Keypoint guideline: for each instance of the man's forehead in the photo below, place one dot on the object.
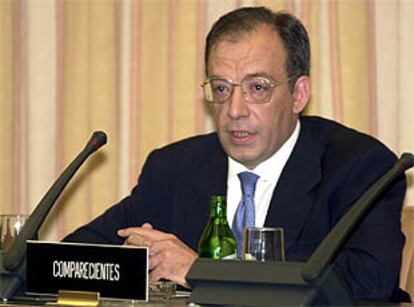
(264, 36)
(251, 52)
(237, 35)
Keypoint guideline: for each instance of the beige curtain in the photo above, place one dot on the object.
(133, 68)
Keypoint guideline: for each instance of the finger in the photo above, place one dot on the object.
(154, 261)
(156, 275)
(148, 233)
(161, 246)
(147, 225)
(168, 245)
(125, 232)
(137, 240)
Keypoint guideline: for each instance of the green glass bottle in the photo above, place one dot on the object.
(217, 240)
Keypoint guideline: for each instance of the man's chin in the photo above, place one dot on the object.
(246, 160)
(240, 153)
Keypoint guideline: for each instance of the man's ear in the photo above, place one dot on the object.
(301, 94)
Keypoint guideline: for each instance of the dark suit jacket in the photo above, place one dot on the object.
(330, 167)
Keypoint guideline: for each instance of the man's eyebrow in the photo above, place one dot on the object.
(260, 74)
(217, 77)
(251, 75)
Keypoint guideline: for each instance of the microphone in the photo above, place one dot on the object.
(336, 238)
(14, 256)
(314, 282)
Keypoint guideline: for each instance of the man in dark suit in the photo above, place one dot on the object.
(310, 170)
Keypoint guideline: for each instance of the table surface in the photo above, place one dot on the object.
(177, 301)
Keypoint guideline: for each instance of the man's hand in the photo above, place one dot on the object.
(169, 257)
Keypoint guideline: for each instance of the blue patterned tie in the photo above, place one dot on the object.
(245, 214)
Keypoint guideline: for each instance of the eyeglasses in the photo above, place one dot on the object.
(256, 89)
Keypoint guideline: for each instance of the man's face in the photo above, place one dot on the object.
(251, 133)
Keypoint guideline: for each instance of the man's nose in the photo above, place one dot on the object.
(237, 105)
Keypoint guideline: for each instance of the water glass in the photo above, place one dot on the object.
(264, 244)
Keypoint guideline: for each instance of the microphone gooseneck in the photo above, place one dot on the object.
(329, 247)
(15, 255)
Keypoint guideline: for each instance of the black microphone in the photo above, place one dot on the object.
(15, 254)
(315, 282)
(330, 246)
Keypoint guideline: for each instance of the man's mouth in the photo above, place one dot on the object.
(240, 134)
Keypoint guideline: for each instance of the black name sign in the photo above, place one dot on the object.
(112, 270)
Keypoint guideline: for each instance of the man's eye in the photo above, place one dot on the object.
(259, 87)
(220, 88)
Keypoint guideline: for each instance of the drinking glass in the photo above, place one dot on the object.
(264, 244)
(10, 227)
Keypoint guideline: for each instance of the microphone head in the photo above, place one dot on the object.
(407, 160)
(97, 140)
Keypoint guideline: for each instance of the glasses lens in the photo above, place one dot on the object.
(217, 90)
(259, 90)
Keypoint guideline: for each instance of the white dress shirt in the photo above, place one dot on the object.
(269, 172)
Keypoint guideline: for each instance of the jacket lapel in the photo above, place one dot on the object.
(291, 202)
(210, 179)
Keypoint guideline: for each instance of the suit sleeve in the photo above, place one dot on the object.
(133, 210)
(370, 263)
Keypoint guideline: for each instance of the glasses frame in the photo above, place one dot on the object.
(245, 94)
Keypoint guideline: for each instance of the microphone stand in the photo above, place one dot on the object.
(12, 261)
(255, 283)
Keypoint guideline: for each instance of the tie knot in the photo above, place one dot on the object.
(248, 182)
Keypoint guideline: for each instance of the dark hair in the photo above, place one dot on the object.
(290, 29)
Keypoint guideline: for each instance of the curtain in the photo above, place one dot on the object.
(133, 69)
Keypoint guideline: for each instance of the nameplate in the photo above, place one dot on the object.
(114, 271)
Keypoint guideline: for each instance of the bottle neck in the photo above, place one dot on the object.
(218, 207)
